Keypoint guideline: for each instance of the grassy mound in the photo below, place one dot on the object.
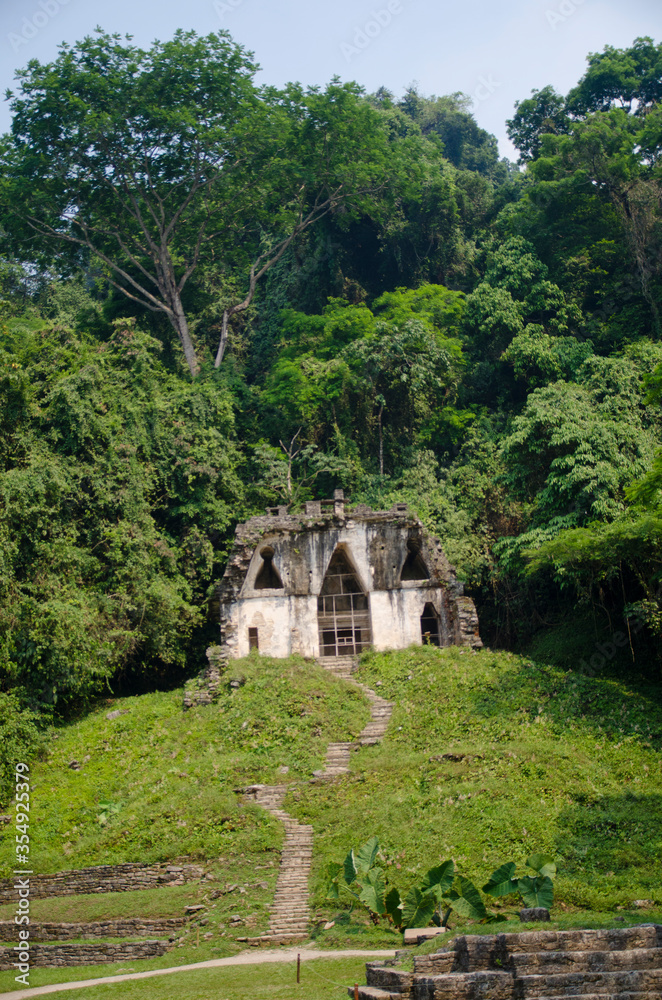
(490, 757)
(157, 783)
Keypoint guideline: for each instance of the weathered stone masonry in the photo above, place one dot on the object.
(103, 878)
(333, 581)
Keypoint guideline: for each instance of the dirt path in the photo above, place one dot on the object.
(245, 958)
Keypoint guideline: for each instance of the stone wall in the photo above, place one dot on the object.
(103, 878)
(55, 955)
(377, 545)
(131, 927)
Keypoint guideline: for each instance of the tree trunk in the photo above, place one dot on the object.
(381, 440)
(223, 341)
(178, 320)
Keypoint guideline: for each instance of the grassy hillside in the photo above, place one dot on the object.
(537, 759)
(170, 775)
(488, 757)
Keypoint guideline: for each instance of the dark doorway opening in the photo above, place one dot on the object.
(342, 610)
(253, 642)
(430, 626)
(268, 578)
(414, 567)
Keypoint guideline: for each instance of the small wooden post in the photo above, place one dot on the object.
(298, 968)
(356, 991)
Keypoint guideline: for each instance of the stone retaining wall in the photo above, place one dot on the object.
(131, 927)
(64, 955)
(102, 878)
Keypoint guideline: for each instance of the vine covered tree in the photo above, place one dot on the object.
(156, 162)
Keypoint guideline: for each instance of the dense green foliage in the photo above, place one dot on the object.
(117, 477)
(434, 325)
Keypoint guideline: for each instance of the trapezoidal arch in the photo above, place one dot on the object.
(343, 613)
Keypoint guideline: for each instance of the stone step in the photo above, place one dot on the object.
(466, 986)
(473, 952)
(544, 962)
(372, 993)
(571, 984)
(385, 978)
(608, 996)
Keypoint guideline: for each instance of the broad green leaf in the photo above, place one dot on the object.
(349, 868)
(439, 880)
(418, 909)
(543, 864)
(372, 893)
(537, 891)
(466, 899)
(364, 859)
(393, 906)
(333, 870)
(501, 882)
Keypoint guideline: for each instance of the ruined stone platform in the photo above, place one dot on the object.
(540, 965)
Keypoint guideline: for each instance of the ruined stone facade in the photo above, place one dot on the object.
(335, 580)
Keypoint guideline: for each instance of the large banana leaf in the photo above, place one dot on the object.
(373, 891)
(466, 900)
(537, 891)
(543, 864)
(349, 868)
(501, 882)
(393, 906)
(418, 908)
(364, 858)
(333, 870)
(438, 880)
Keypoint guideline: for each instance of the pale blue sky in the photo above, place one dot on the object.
(495, 51)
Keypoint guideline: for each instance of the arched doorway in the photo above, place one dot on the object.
(343, 616)
(430, 626)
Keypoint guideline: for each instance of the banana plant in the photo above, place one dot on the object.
(366, 882)
(423, 904)
(536, 891)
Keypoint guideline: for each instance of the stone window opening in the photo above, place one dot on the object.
(414, 567)
(342, 610)
(268, 577)
(253, 639)
(430, 633)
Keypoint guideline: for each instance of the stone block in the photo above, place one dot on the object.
(534, 913)
(416, 935)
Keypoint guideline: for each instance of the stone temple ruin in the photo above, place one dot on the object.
(336, 580)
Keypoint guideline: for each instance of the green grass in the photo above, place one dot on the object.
(164, 901)
(488, 757)
(321, 979)
(548, 760)
(173, 774)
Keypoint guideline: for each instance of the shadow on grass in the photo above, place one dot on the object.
(612, 833)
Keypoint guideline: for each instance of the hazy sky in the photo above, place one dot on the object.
(495, 51)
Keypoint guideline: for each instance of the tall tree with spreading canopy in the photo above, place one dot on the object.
(156, 162)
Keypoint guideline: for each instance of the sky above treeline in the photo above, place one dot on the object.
(496, 52)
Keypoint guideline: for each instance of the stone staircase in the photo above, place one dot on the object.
(541, 965)
(290, 913)
(341, 666)
(338, 754)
